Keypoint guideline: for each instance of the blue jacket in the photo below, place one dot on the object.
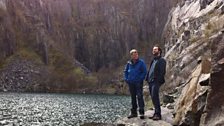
(134, 73)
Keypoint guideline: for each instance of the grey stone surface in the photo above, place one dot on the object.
(203, 21)
(167, 119)
(213, 113)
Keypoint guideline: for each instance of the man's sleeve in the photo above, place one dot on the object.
(162, 71)
(126, 72)
(143, 71)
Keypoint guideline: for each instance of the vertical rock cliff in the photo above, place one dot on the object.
(215, 101)
(71, 38)
(193, 41)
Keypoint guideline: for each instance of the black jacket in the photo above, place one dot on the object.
(159, 70)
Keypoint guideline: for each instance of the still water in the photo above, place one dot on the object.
(60, 109)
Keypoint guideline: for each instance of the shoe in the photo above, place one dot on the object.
(142, 117)
(156, 118)
(132, 116)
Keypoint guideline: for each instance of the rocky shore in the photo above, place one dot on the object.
(23, 75)
(167, 119)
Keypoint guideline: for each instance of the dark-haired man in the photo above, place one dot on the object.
(155, 78)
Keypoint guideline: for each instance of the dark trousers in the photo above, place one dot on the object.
(154, 92)
(137, 90)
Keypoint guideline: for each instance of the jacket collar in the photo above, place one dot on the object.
(131, 61)
(157, 57)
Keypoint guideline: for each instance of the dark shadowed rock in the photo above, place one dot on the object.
(215, 100)
(222, 10)
(168, 98)
(186, 36)
(204, 79)
(204, 3)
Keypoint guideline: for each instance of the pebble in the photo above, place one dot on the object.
(4, 122)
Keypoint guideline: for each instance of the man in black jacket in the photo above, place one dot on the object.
(155, 78)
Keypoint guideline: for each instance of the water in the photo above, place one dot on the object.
(61, 109)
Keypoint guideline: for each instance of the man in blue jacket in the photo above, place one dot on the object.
(155, 78)
(134, 75)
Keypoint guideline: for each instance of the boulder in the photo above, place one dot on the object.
(190, 104)
(213, 113)
(168, 98)
(185, 101)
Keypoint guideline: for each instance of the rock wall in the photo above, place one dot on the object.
(215, 101)
(193, 36)
(97, 33)
(69, 35)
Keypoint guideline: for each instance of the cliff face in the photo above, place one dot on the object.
(97, 33)
(193, 41)
(70, 38)
(215, 100)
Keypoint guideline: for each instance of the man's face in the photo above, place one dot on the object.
(155, 51)
(134, 55)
